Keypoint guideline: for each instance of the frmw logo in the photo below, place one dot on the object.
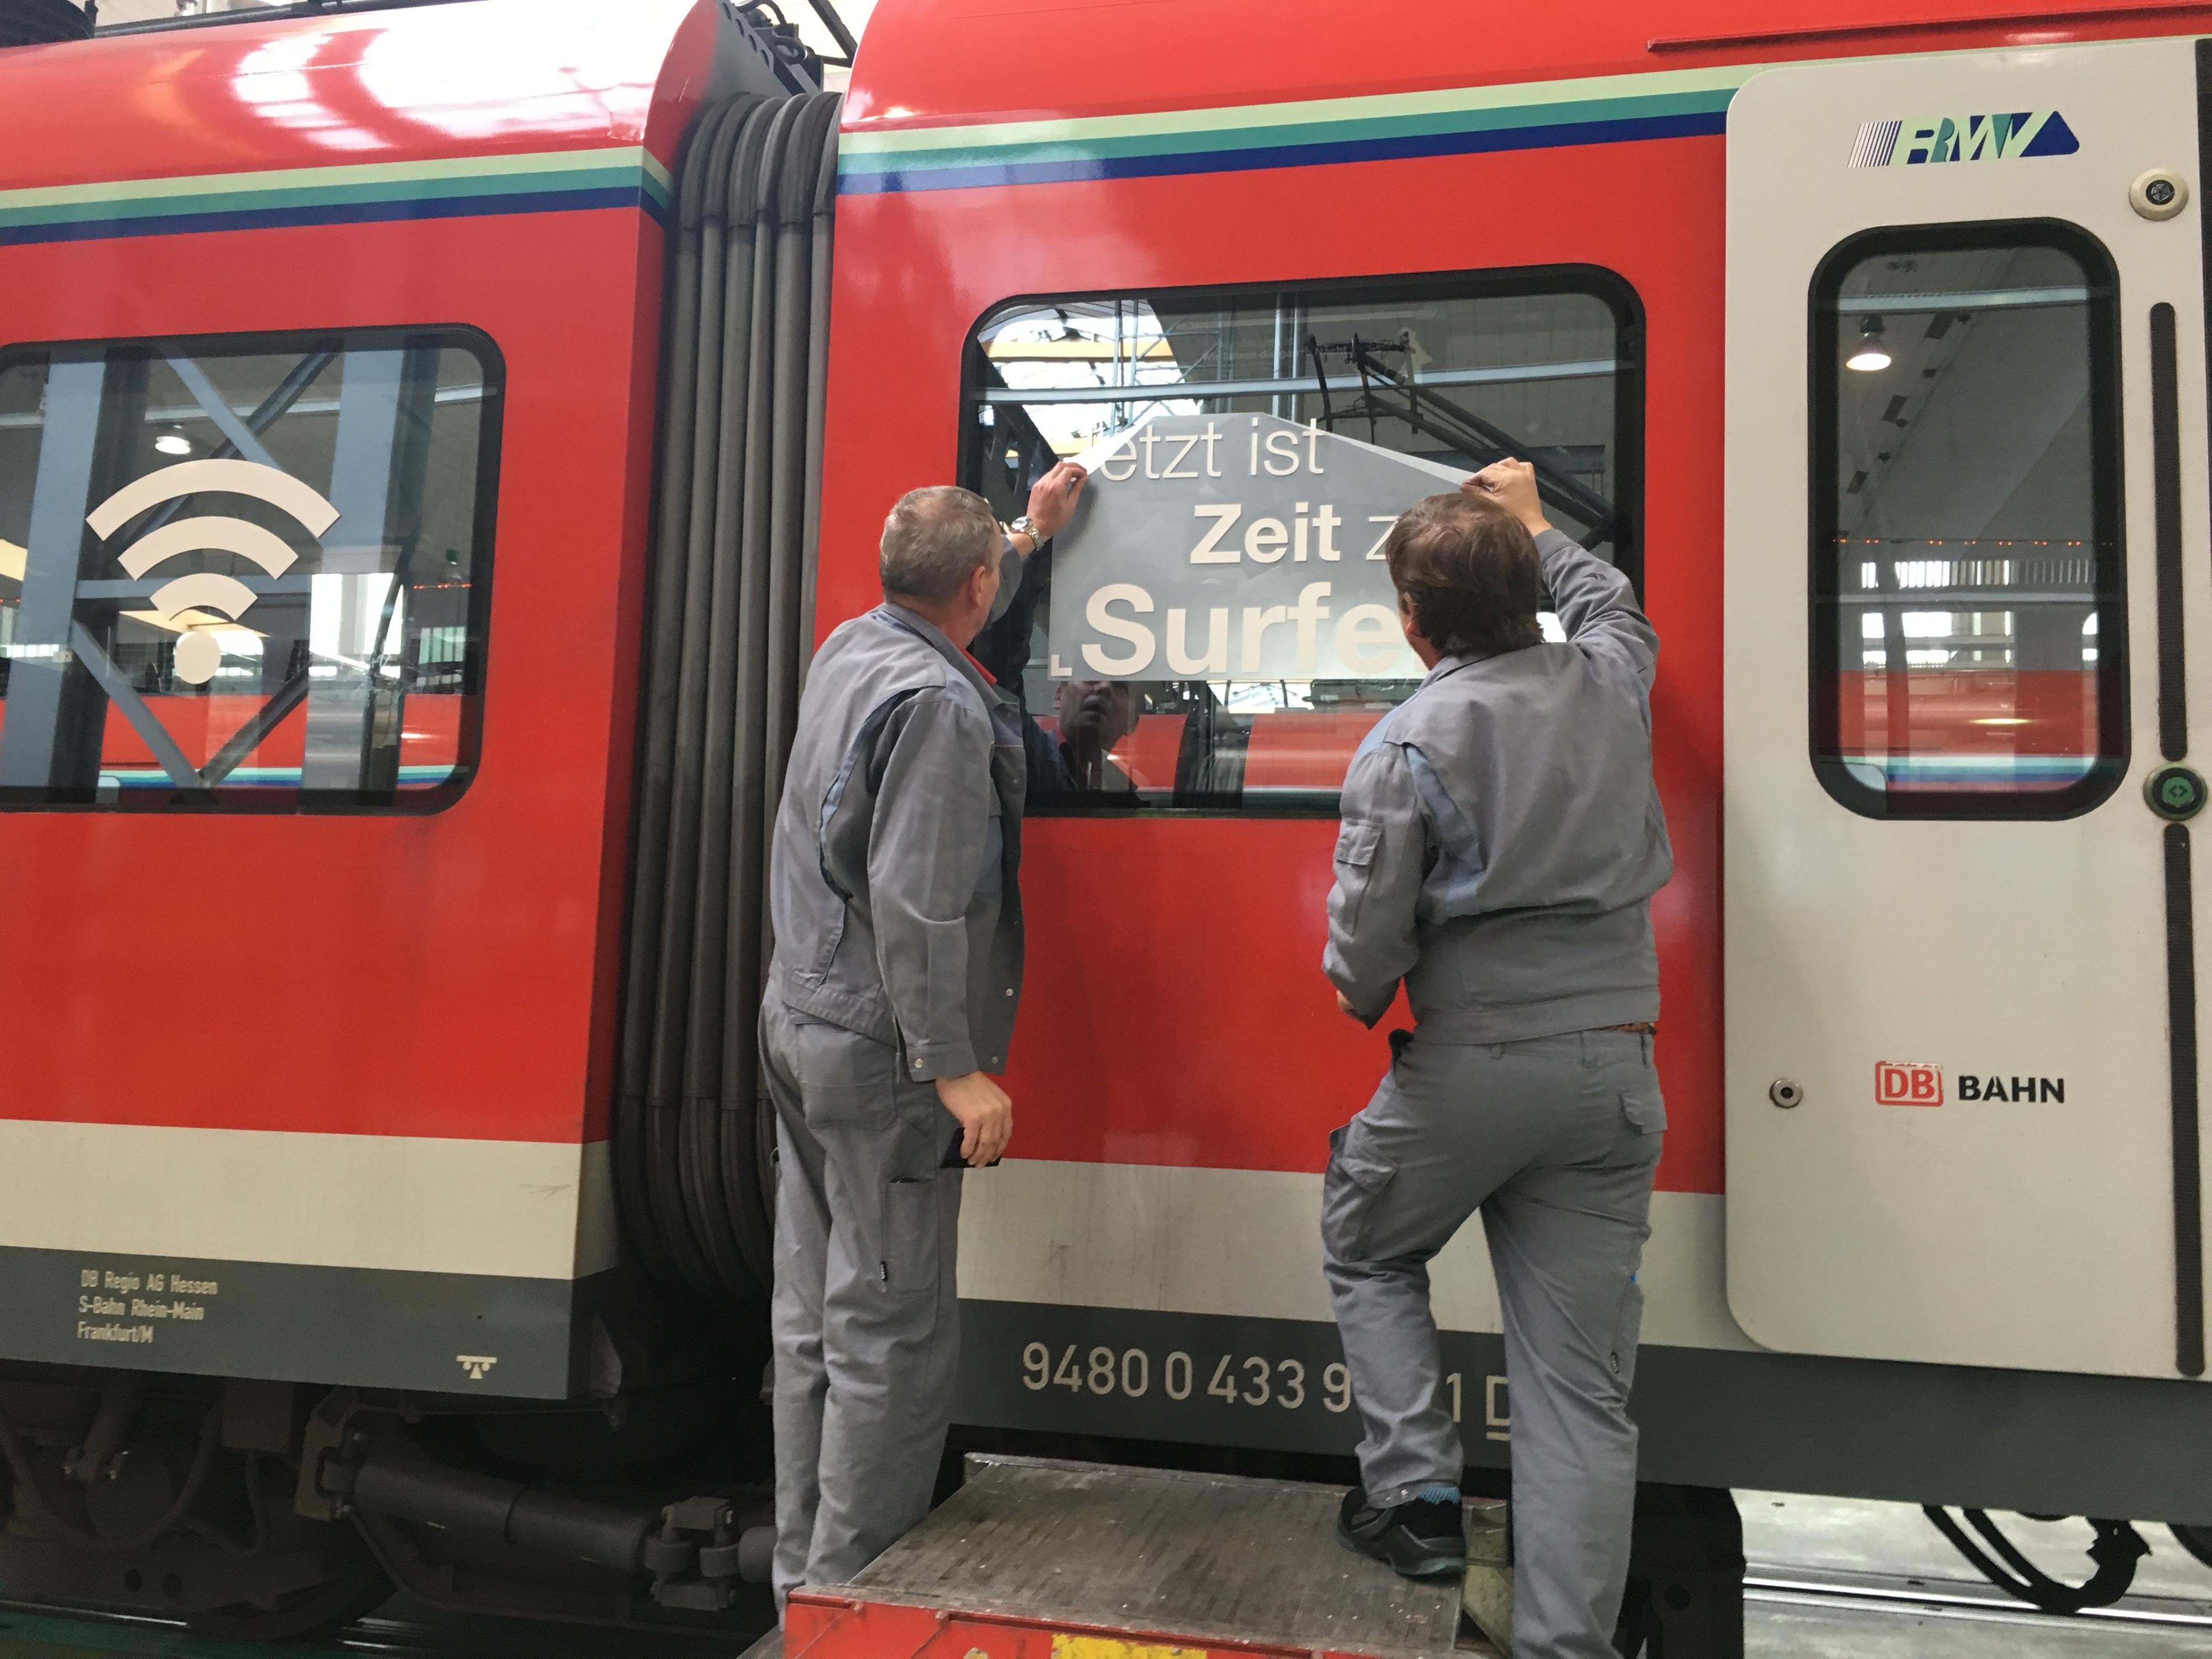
(1918, 141)
(1908, 1082)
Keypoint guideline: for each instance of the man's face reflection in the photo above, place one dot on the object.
(1093, 716)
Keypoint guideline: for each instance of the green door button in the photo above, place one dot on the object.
(2175, 793)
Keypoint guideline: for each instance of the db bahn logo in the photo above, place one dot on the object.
(1902, 1083)
(1912, 1083)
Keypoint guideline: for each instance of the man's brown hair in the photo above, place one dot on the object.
(935, 538)
(1470, 570)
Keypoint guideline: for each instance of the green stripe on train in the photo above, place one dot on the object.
(274, 200)
(1503, 119)
(617, 167)
(1464, 109)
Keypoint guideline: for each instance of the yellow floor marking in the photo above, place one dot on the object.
(1108, 1647)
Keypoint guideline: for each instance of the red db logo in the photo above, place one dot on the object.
(1902, 1083)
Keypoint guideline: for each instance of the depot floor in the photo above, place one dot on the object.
(1829, 1579)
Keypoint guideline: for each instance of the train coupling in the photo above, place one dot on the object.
(696, 1553)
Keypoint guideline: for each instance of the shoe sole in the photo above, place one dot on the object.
(1412, 1566)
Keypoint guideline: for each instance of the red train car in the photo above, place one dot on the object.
(386, 922)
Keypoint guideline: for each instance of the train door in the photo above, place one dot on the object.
(1966, 597)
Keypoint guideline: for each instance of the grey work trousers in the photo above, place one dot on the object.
(1555, 1140)
(864, 1321)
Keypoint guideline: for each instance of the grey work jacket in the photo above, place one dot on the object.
(893, 879)
(1502, 835)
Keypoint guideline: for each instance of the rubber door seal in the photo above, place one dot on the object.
(2181, 1026)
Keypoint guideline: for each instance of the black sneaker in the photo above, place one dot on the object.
(1423, 1538)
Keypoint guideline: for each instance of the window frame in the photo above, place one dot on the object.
(2108, 496)
(1608, 286)
(295, 802)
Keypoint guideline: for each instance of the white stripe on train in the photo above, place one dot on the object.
(1247, 1243)
(512, 1209)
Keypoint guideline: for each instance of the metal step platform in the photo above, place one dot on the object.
(1035, 1558)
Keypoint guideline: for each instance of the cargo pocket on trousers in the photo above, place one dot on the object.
(910, 1252)
(1628, 1332)
(1644, 1111)
(1350, 1192)
(843, 1077)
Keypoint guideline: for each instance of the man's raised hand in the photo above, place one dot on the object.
(1053, 496)
(1512, 484)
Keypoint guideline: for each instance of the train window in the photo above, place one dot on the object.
(1968, 633)
(1431, 377)
(245, 573)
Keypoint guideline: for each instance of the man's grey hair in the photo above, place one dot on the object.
(934, 539)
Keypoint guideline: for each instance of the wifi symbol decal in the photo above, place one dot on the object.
(198, 654)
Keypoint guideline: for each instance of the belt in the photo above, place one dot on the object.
(1636, 1027)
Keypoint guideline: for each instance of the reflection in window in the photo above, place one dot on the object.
(244, 574)
(1458, 372)
(1966, 560)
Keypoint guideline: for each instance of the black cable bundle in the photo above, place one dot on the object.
(39, 22)
(728, 636)
(2115, 1549)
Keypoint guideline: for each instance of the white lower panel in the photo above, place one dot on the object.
(508, 1208)
(1247, 1242)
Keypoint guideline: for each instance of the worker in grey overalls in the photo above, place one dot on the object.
(891, 1001)
(1501, 840)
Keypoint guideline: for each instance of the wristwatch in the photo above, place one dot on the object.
(1026, 526)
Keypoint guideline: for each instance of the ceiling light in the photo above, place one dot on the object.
(2001, 720)
(174, 443)
(1873, 353)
